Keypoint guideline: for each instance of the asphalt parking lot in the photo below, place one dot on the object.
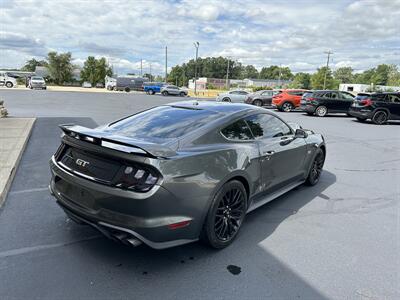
(336, 240)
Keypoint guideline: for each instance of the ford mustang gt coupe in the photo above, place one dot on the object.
(180, 172)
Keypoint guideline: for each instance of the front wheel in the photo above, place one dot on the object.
(9, 84)
(287, 107)
(225, 215)
(226, 99)
(182, 94)
(321, 111)
(258, 103)
(165, 93)
(380, 117)
(127, 89)
(316, 168)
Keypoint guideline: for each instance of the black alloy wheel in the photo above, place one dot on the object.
(316, 168)
(226, 215)
(380, 117)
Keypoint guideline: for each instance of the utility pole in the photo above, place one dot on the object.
(327, 65)
(141, 67)
(196, 45)
(227, 75)
(280, 74)
(151, 76)
(166, 63)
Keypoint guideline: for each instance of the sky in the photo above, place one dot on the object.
(361, 34)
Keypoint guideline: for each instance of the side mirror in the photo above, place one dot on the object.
(300, 133)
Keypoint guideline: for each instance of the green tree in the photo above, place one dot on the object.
(250, 72)
(381, 74)
(317, 79)
(394, 76)
(30, 65)
(344, 75)
(60, 67)
(301, 81)
(95, 70)
(276, 72)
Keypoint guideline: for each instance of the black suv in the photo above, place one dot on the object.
(379, 107)
(323, 102)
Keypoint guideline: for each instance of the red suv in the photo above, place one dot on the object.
(287, 100)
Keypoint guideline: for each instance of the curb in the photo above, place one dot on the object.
(9, 180)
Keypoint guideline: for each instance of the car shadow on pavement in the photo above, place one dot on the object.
(63, 258)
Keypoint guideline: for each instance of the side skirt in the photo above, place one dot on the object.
(269, 197)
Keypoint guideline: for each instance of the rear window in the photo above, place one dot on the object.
(361, 97)
(307, 94)
(164, 122)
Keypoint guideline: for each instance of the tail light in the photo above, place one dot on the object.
(311, 99)
(366, 102)
(138, 179)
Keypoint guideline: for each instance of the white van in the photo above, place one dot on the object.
(6, 80)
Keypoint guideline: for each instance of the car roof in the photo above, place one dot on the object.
(225, 108)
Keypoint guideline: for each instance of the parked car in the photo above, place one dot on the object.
(261, 98)
(6, 80)
(37, 82)
(86, 84)
(167, 90)
(152, 87)
(179, 172)
(287, 100)
(237, 96)
(379, 107)
(324, 102)
(99, 85)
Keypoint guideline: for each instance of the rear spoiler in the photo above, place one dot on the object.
(116, 142)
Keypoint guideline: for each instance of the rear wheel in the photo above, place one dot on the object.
(226, 99)
(321, 111)
(380, 117)
(127, 89)
(257, 102)
(316, 168)
(287, 106)
(225, 215)
(182, 94)
(150, 92)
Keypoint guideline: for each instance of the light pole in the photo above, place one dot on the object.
(327, 66)
(227, 75)
(196, 45)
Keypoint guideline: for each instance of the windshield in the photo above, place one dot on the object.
(37, 78)
(164, 122)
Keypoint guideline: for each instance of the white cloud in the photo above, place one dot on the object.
(296, 33)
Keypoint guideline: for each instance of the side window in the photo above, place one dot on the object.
(334, 95)
(394, 98)
(237, 131)
(267, 126)
(347, 96)
(327, 95)
(379, 97)
(243, 93)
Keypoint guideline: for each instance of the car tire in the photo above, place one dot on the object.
(182, 94)
(153, 92)
(150, 92)
(287, 107)
(225, 216)
(321, 111)
(226, 99)
(380, 117)
(316, 168)
(258, 102)
(362, 120)
(9, 84)
(127, 89)
(165, 93)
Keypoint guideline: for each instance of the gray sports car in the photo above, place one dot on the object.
(181, 172)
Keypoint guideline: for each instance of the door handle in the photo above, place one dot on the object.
(268, 153)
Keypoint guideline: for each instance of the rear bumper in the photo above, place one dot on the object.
(359, 112)
(307, 108)
(145, 216)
